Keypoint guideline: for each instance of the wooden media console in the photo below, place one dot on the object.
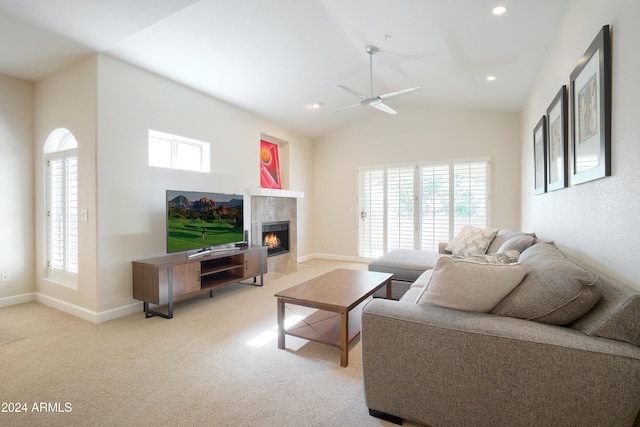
(169, 278)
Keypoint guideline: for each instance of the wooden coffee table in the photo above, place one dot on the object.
(337, 295)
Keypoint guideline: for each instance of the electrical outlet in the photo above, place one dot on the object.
(6, 277)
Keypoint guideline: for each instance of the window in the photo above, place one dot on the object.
(62, 207)
(418, 206)
(177, 152)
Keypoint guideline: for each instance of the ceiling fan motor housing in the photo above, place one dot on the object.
(371, 49)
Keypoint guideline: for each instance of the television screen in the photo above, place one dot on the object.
(199, 220)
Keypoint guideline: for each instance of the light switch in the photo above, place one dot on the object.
(84, 215)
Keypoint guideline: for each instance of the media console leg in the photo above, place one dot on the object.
(145, 306)
(170, 292)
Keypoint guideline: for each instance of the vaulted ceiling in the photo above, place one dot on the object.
(277, 57)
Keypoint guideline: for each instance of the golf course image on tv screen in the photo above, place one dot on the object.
(199, 220)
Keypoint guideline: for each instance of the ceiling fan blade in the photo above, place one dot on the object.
(344, 108)
(355, 92)
(398, 93)
(382, 107)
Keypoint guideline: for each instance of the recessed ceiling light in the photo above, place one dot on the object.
(315, 105)
(499, 10)
(491, 78)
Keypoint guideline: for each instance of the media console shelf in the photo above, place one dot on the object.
(166, 279)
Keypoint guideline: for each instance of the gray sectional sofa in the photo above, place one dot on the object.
(561, 348)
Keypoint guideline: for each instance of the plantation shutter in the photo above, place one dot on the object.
(400, 207)
(62, 214)
(435, 218)
(420, 206)
(471, 194)
(371, 206)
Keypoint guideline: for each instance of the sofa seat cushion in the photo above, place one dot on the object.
(405, 264)
(556, 290)
(422, 280)
(411, 295)
(470, 286)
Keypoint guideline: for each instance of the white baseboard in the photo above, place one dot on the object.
(125, 310)
(17, 299)
(85, 314)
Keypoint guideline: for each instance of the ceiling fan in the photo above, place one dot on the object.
(375, 101)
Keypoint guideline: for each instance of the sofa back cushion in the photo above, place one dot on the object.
(616, 316)
(518, 240)
(556, 290)
(468, 285)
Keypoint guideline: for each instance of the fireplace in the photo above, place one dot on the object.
(275, 235)
(276, 206)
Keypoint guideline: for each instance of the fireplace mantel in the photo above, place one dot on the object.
(272, 192)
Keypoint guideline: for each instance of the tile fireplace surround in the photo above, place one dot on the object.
(271, 206)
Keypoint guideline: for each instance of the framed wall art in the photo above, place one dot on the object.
(539, 156)
(557, 142)
(591, 112)
(269, 165)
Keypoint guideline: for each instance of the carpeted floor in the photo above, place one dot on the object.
(215, 363)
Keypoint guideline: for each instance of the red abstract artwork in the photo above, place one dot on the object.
(269, 165)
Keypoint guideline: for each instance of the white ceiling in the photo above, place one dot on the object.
(275, 57)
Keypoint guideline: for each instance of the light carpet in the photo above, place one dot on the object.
(215, 363)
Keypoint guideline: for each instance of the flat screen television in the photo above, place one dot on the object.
(203, 221)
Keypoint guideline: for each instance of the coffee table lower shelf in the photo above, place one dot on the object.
(324, 327)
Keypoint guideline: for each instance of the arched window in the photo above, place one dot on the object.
(61, 156)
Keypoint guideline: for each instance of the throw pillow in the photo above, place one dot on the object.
(470, 286)
(503, 235)
(556, 290)
(519, 243)
(506, 257)
(452, 244)
(475, 242)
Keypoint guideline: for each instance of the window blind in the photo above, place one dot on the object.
(62, 215)
(418, 206)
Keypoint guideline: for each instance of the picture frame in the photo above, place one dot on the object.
(269, 166)
(557, 142)
(591, 112)
(540, 156)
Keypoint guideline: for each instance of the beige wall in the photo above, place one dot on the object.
(596, 221)
(131, 194)
(415, 134)
(109, 107)
(16, 188)
(67, 99)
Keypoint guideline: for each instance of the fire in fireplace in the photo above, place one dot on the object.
(275, 235)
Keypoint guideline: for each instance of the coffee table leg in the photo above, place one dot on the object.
(280, 323)
(389, 289)
(344, 338)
